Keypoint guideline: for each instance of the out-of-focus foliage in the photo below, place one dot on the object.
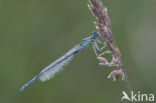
(33, 33)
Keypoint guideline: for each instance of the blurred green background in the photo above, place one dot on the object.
(33, 33)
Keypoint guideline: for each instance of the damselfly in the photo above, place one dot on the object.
(48, 72)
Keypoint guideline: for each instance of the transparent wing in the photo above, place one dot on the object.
(55, 69)
(58, 65)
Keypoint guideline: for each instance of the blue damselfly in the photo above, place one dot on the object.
(58, 65)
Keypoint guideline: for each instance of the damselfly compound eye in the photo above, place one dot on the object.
(95, 33)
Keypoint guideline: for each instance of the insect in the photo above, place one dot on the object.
(48, 72)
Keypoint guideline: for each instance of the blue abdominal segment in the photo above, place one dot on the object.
(29, 83)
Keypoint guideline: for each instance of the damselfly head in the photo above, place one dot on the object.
(95, 34)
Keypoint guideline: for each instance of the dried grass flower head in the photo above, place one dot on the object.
(103, 26)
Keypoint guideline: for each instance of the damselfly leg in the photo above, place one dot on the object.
(105, 52)
(97, 49)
